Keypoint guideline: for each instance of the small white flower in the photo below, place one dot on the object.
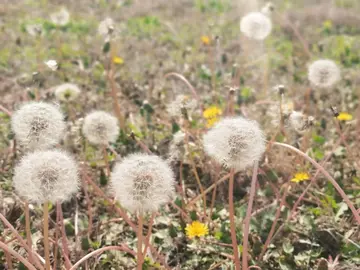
(235, 142)
(61, 18)
(52, 64)
(106, 27)
(67, 92)
(324, 73)
(43, 176)
(100, 128)
(38, 125)
(143, 182)
(181, 103)
(255, 25)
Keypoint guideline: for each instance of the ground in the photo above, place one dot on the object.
(155, 44)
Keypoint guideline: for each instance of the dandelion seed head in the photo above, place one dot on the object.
(42, 176)
(177, 149)
(324, 73)
(235, 142)
(106, 27)
(299, 122)
(100, 128)
(34, 29)
(38, 125)
(255, 25)
(67, 92)
(52, 64)
(143, 182)
(180, 104)
(61, 18)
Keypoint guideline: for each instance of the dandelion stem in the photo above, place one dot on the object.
(17, 256)
(139, 243)
(248, 217)
(328, 176)
(46, 235)
(147, 239)
(99, 251)
(63, 236)
(21, 240)
(28, 231)
(273, 226)
(232, 221)
(106, 159)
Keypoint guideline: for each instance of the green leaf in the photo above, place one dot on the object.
(288, 247)
(85, 244)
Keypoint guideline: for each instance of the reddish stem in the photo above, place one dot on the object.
(99, 251)
(248, 217)
(17, 256)
(232, 221)
(328, 176)
(63, 236)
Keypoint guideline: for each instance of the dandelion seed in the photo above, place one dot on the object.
(300, 177)
(196, 229)
(100, 128)
(255, 25)
(212, 115)
(344, 116)
(43, 176)
(38, 125)
(106, 27)
(143, 182)
(61, 18)
(180, 104)
(235, 142)
(324, 73)
(67, 92)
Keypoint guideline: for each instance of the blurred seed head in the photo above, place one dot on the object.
(255, 25)
(52, 64)
(324, 73)
(61, 18)
(143, 182)
(100, 128)
(46, 176)
(268, 9)
(67, 92)
(38, 125)
(299, 122)
(235, 142)
(177, 149)
(106, 27)
(182, 104)
(34, 30)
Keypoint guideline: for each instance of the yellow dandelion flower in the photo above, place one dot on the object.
(205, 40)
(211, 115)
(300, 176)
(118, 60)
(344, 116)
(196, 229)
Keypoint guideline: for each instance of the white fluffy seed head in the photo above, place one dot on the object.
(50, 175)
(143, 182)
(324, 73)
(100, 128)
(235, 142)
(255, 25)
(38, 125)
(299, 122)
(181, 104)
(67, 92)
(61, 18)
(106, 27)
